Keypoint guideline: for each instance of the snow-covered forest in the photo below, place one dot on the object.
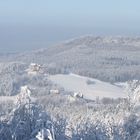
(106, 58)
(35, 105)
(56, 116)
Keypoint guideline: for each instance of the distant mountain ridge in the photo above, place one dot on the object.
(106, 58)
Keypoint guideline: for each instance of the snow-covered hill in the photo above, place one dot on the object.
(111, 59)
(89, 87)
(26, 112)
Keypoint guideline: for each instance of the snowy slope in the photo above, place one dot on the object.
(76, 83)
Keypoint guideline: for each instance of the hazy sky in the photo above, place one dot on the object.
(39, 23)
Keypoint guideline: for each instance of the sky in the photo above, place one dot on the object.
(32, 24)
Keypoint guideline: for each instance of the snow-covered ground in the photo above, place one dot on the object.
(76, 83)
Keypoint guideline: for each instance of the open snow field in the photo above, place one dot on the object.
(97, 88)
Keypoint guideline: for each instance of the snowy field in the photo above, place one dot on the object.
(96, 88)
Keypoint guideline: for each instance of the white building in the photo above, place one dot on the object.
(54, 91)
(33, 69)
(78, 95)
